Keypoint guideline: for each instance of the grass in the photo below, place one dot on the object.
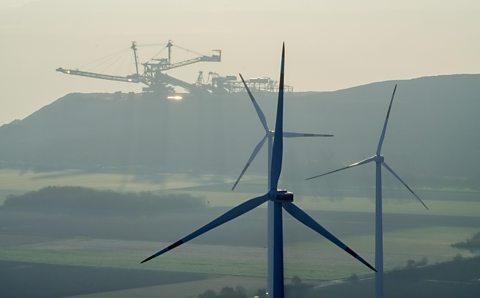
(20, 279)
(316, 259)
(218, 194)
(243, 261)
(434, 243)
(186, 289)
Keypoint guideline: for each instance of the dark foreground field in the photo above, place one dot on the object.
(20, 279)
(459, 278)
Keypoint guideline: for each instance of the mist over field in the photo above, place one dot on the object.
(431, 138)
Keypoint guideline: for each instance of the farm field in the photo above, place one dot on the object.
(316, 259)
(24, 279)
(405, 205)
(216, 190)
(412, 233)
(184, 289)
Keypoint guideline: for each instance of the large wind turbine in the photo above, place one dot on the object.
(379, 162)
(269, 135)
(280, 198)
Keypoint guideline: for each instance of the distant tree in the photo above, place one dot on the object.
(472, 244)
(261, 293)
(415, 264)
(422, 262)
(86, 201)
(226, 292)
(410, 264)
(353, 278)
(297, 288)
(229, 292)
(296, 281)
(458, 258)
(241, 291)
(208, 294)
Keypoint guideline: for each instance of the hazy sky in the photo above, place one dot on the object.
(330, 44)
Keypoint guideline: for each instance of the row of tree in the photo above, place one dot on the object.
(87, 201)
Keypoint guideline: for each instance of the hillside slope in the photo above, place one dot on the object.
(432, 139)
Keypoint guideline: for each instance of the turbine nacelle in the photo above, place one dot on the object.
(281, 195)
(379, 158)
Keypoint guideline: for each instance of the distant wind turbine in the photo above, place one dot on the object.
(280, 198)
(379, 162)
(269, 135)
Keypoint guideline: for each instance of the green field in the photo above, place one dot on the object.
(399, 246)
(315, 259)
(217, 191)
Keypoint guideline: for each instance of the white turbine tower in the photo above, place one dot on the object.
(269, 135)
(379, 162)
(280, 198)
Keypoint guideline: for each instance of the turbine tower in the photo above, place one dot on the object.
(269, 135)
(280, 198)
(379, 162)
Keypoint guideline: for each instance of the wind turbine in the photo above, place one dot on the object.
(269, 135)
(280, 198)
(379, 162)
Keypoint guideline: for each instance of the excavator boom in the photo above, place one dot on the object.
(76, 72)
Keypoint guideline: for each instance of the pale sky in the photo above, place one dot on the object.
(330, 44)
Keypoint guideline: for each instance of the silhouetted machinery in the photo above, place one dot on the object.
(155, 78)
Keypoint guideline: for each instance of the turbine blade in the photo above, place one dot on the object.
(404, 184)
(229, 215)
(382, 136)
(260, 114)
(252, 157)
(344, 168)
(304, 218)
(277, 150)
(287, 134)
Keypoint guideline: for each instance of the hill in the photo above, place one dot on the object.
(431, 142)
